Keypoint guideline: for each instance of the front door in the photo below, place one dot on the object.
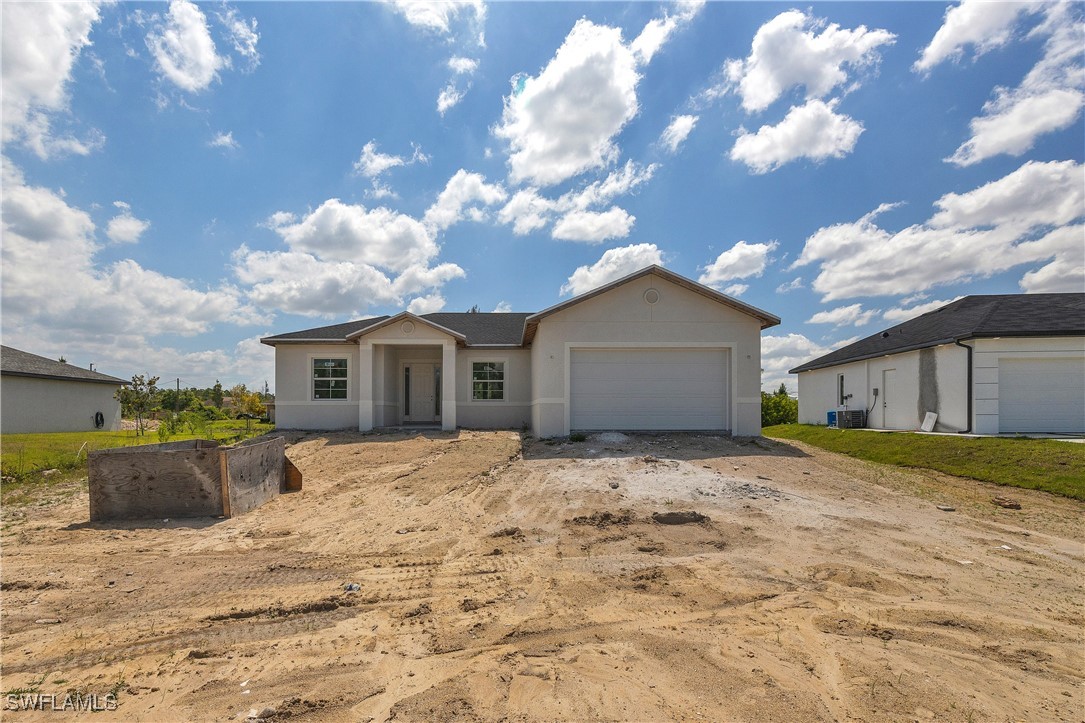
(420, 392)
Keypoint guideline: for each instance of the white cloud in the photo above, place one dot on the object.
(656, 33)
(780, 353)
(439, 16)
(900, 313)
(678, 131)
(41, 42)
(426, 304)
(183, 49)
(340, 231)
(563, 121)
(225, 141)
(124, 227)
(300, 283)
(795, 283)
(853, 315)
(462, 66)
(594, 227)
(460, 193)
(982, 24)
(1031, 216)
(786, 52)
(527, 211)
(1050, 97)
(503, 307)
(814, 130)
(372, 164)
(1036, 194)
(736, 289)
(90, 298)
(738, 262)
(343, 258)
(611, 266)
(449, 97)
(243, 36)
(617, 183)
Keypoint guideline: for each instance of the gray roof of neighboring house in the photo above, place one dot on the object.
(968, 318)
(24, 364)
(480, 329)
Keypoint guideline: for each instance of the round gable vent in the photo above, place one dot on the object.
(407, 327)
(651, 296)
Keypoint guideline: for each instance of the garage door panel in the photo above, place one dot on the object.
(1041, 395)
(649, 389)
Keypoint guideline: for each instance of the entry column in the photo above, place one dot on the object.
(448, 386)
(365, 386)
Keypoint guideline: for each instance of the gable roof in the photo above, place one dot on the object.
(968, 318)
(765, 317)
(477, 329)
(406, 315)
(15, 362)
(504, 329)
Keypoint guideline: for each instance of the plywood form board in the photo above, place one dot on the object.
(255, 474)
(154, 483)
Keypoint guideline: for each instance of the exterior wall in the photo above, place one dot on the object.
(31, 404)
(514, 411)
(927, 380)
(990, 352)
(621, 317)
(295, 407)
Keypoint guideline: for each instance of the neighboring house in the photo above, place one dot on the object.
(42, 395)
(651, 351)
(985, 364)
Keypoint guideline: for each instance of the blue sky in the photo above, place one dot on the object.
(181, 179)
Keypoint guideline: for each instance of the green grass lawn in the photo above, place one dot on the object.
(1038, 464)
(23, 457)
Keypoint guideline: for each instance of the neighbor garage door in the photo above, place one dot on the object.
(1041, 395)
(649, 389)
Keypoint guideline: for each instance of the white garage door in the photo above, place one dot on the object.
(1041, 395)
(649, 389)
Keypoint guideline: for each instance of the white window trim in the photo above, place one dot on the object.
(504, 381)
(312, 379)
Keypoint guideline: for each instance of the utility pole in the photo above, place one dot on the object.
(177, 399)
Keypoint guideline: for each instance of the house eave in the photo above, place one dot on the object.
(112, 382)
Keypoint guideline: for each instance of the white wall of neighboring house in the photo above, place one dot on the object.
(926, 380)
(34, 404)
(1048, 378)
(1021, 384)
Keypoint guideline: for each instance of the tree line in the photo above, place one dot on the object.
(142, 398)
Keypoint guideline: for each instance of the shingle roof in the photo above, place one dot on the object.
(335, 332)
(483, 328)
(970, 317)
(478, 328)
(24, 364)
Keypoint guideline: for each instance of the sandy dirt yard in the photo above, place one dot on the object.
(500, 581)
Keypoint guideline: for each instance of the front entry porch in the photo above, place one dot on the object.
(406, 383)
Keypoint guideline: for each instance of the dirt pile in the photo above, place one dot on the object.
(441, 576)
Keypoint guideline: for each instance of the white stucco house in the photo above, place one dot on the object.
(651, 351)
(42, 395)
(1001, 364)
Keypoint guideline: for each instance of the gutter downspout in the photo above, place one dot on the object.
(968, 428)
